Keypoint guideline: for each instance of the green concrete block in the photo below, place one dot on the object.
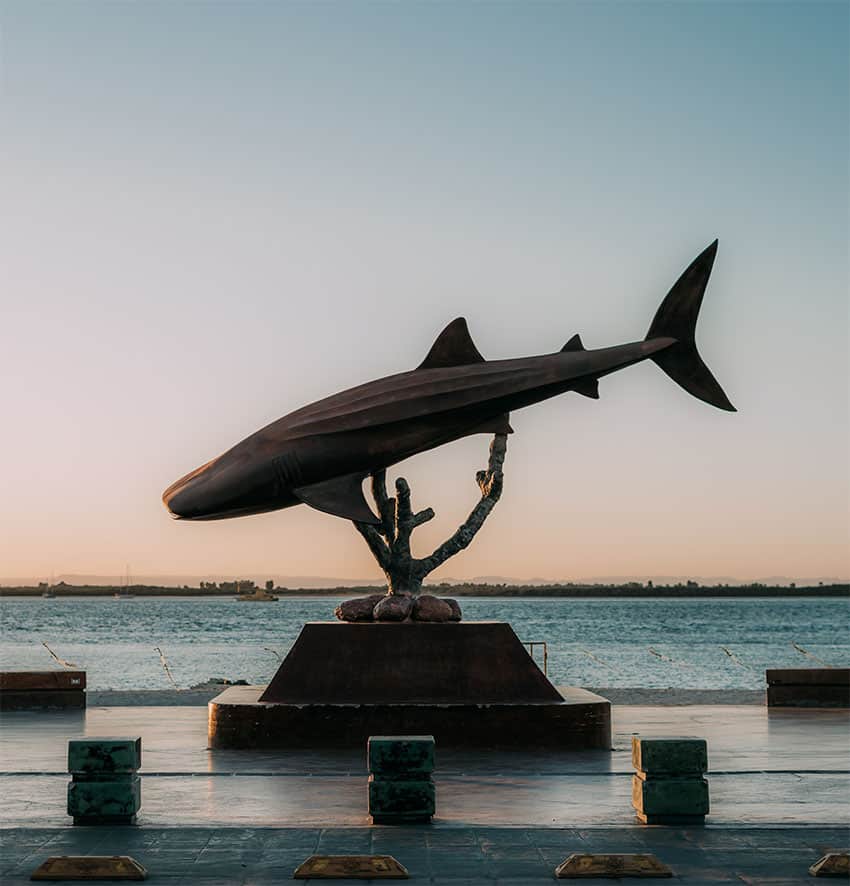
(104, 754)
(679, 821)
(400, 755)
(674, 756)
(405, 799)
(670, 796)
(401, 819)
(126, 777)
(104, 799)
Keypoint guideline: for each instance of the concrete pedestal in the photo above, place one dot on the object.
(808, 688)
(469, 685)
(580, 721)
(404, 662)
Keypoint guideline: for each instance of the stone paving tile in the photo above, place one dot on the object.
(705, 838)
(470, 863)
(611, 840)
(232, 880)
(450, 838)
(811, 838)
(557, 837)
(399, 836)
(342, 841)
(503, 836)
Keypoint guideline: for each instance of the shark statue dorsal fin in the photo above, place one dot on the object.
(340, 496)
(574, 344)
(453, 347)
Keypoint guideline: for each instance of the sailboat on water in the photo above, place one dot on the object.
(48, 593)
(123, 593)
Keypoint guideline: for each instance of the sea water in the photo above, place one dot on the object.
(700, 643)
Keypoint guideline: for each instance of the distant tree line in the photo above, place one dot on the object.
(467, 589)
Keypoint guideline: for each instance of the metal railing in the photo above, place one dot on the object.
(531, 645)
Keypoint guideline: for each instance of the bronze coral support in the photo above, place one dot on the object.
(389, 541)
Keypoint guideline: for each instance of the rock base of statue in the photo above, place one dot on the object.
(471, 684)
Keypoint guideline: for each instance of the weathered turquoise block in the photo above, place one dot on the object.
(104, 754)
(104, 799)
(670, 796)
(675, 756)
(401, 755)
(407, 799)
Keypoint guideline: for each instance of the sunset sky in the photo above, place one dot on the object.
(214, 213)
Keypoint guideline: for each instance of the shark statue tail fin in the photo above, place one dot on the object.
(677, 318)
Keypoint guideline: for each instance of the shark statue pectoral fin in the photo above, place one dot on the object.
(498, 425)
(340, 496)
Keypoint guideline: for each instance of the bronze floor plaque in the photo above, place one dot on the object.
(351, 867)
(833, 864)
(584, 866)
(89, 867)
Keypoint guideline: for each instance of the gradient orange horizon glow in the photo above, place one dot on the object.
(217, 213)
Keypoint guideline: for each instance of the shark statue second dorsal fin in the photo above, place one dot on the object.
(574, 344)
(453, 347)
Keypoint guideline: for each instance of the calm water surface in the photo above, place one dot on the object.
(650, 642)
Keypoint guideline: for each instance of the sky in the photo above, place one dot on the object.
(214, 213)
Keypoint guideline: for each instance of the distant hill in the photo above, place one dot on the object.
(613, 580)
(465, 589)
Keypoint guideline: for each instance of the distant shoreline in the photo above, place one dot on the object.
(617, 696)
(459, 590)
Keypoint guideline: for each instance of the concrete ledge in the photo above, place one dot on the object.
(678, 697)
(617, 696)
(808, 687)
(25, 681)
(238, 719)
(42, 690)
(42, 700)
(153, 698)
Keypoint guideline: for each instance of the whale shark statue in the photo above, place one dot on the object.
(320, 454)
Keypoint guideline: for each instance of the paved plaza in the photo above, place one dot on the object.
(462, 856)
(779, 781)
